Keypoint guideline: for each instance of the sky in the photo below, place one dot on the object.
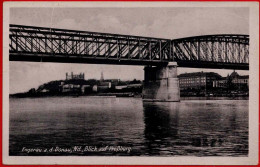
(158, 22)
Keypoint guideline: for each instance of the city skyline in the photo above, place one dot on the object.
(152, 22)
(88, 75)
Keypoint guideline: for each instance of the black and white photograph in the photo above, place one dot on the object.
(131, 80)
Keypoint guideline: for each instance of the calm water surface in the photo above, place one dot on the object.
(191, 127)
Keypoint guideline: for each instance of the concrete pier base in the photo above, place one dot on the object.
(161, 84)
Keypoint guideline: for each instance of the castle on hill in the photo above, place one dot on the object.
(75, 76)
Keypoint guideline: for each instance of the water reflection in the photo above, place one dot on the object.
(161, 126)
(195, 128)
(233, 120)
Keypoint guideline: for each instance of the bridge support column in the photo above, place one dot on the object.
(161, 83)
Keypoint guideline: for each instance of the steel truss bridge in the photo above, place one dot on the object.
(42, 44)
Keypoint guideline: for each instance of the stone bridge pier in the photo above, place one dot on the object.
(161, 83)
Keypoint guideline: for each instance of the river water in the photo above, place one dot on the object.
(127, 127)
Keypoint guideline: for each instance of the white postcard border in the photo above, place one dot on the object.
(252, 158)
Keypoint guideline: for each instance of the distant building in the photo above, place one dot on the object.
(114, 82)
(135, 85)
(129, 86)
(119, 87)
(198, 80)
(221, 83)
(95, 88)
(105, 84)
(237, 81)
(75, 76)
(70, 88)
(101, 86)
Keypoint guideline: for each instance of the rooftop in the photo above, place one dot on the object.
(199, 74)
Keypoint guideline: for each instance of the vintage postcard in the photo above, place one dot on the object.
(137, 83)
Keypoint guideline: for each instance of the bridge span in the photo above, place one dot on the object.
(160, 56)
(41, 44)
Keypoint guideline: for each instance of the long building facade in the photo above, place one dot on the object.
(197, 80)
(209, 83)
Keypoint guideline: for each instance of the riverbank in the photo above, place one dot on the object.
(215, 98)
(125, 95)
(40, 95)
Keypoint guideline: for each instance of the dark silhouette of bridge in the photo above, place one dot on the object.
(40, 44)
